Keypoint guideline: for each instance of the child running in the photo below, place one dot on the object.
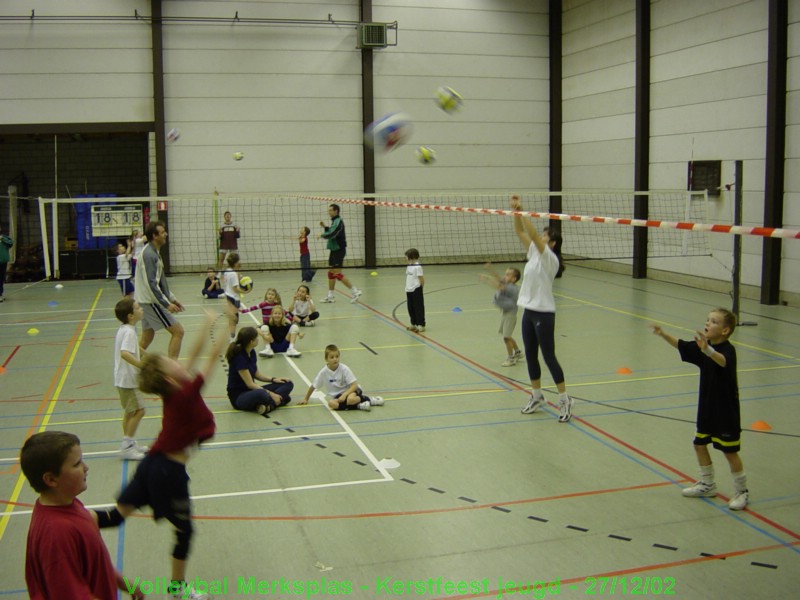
(718, 419)
(339, 383)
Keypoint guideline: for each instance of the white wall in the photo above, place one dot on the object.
(289, 97)
(598, 53)
(56, 72)
(495, 54)
(790, 262)
(708, 100)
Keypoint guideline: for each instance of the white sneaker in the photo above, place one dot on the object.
(509, 362)
(131, 453)
(420, 328)
(739, 501)
(518, 355)
(533, 405)
(267, 352)
(329, 299)
(189, 593)
(356, 295)
(376, 401)
(293, 353)
(141, 448)
(700, 490)
(565, 410)
(365, 406)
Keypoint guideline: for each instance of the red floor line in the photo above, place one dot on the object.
(644, 568)
(635, 450)
(428, 511)
(10, 356)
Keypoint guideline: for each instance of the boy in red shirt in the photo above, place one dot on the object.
(65, 555)
(161, 481)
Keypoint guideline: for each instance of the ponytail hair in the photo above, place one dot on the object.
(555, 237)
(243, 338)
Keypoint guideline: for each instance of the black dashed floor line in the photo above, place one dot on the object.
(535, 518)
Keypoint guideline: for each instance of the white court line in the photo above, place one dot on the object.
(296, 488)
(342, 423)
(207, 444)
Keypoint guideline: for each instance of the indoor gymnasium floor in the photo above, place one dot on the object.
(447, 489)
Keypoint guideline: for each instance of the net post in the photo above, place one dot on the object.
(641, 210)
(737, 241)
(45, 251)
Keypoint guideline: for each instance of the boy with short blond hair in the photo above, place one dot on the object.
(718, 418)
(340, 385)
(127, 363)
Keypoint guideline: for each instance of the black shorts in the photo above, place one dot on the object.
(162, 484)
(726, 442)
(336, 257)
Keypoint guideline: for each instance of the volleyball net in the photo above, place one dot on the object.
(445, 228)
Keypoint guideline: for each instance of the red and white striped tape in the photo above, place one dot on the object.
(770, 232)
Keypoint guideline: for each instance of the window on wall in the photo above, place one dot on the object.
(705, 175)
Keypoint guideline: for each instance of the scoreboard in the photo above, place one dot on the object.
(116, 220)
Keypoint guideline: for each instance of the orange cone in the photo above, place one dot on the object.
(624, 371)
(761, 426)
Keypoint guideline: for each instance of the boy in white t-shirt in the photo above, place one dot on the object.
(127, 363)
(337, 381)
(415, 281)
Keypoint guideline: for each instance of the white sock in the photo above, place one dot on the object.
(740, 482)
(354, 289)
(707, 474)
(563, 397)
(127, 442)
(538, 394)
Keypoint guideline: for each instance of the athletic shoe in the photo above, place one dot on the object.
(293, 353)
(141, 448)
(355, 296)
(509, 362)
(329, 299)
(376, 401)
(533, 405)
(365, 405)
(189, 593)
(421, 329)
(701, 490)
(131, 453)
(311, 323)
(413, 328)
(565, 410)
(267, 352)
(518, 355)
(739, 501)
